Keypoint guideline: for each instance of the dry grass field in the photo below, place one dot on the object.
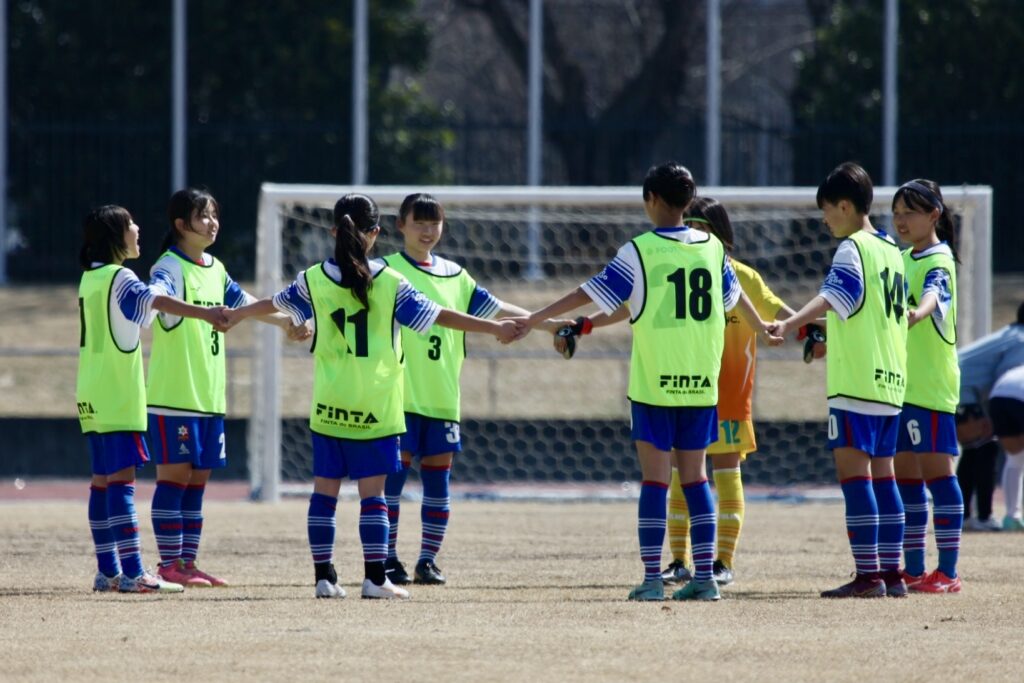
(536, 593)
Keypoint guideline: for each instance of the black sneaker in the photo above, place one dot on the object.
(676, 573)
(722, 574)
(429, 573)
(394, 570)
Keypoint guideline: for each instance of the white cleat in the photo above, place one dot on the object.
(326, 589)
(385, 591)
(147, 583)
(105, 584)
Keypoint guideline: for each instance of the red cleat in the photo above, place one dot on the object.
(937, 582)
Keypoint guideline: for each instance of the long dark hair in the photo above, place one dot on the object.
(184, 204)
(925, 195)
(103, 235)
(354, 216)
(710, 212)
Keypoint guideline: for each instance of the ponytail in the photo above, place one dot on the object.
(945, 231)
(350, 255)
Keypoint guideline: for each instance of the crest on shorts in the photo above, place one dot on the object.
(182, 433)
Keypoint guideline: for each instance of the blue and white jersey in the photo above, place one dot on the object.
(988, 359)
(844, 284)
(938, 282)
(412, 308)
(131, 307)
(622, 281)
(166, 277)
(483, 304)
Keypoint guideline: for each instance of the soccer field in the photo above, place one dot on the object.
(536, 592)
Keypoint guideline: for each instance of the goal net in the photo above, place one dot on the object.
(528, 414)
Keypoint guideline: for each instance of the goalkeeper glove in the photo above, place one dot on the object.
(811, 334)
(570, 332)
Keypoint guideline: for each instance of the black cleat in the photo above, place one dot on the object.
(723, 575)
(676, 573)
(429, 573)
(394, 570)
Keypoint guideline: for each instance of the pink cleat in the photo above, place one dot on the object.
(177, 573)
(190, 567)
(937, 582)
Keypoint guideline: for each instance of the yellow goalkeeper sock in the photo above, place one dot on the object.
(678, 521)
(731, 507)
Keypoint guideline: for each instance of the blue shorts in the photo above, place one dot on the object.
(430, 436)
(335, 458)
(926, 431)
(873, 434)
(685, 429)
(195, 440)
(114, 451)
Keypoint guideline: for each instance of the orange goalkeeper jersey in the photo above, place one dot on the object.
(739, 359)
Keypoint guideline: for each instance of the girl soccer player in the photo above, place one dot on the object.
(678, 283)
(735, 392)
(187, 383)
(433, 364)
(865, 298)
(357, 412)
(111, 394)
(926, 446)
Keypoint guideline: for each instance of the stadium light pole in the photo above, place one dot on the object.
(713, 117)
(535, 132)
(3, 142)
(360, 62)
(890, 102)
(178, 95)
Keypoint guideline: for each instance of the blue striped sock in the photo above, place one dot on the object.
(862, 523)
(320, 527)
(948, 520)
(435, 509)
(702, 528)
(393, 486)
(192, 521)
(166, 516)
(651, 513)
(915, 504)
(102, 537)
(124, 526)
(891, 522)
(373, 530)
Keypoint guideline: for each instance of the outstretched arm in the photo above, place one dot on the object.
(749, 314)
(814, 309)
(552, 325)
(505, 330)
(214, 315)
(569, 302)
(929, 302)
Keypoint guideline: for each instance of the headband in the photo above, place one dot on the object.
(694, 219)
(922, 190)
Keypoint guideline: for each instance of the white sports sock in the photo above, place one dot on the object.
(1013, 472)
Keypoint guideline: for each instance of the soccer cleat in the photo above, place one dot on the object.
(189, 567)
(862, 586)
(653, 590)
(176, 573)
(894, 586)
(910, 580)
(989, 524)
(723, 575)
(395, 571)
(676, 573)
(1012, 524)
(428, 573)
(699, 590)
(104, 584)
(326, 589)
(147, 583)
(385, 591)
(938, 582)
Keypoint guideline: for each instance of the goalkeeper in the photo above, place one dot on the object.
(735, 389)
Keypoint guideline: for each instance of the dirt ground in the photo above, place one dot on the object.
(536, 593)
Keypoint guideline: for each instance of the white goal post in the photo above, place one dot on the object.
(281, 205)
